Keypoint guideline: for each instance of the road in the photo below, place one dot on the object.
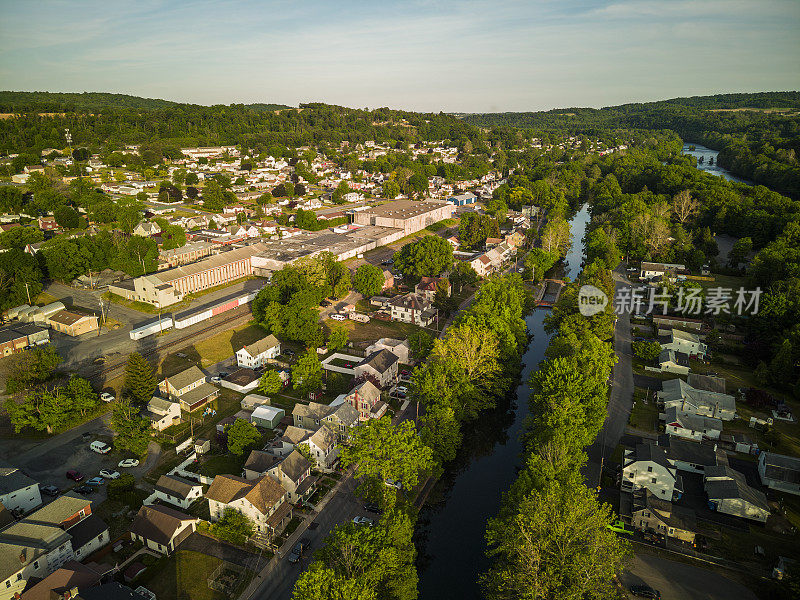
(680, 581)
(620, 401)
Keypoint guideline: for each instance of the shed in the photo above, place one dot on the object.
(267, 416)
(251, 401)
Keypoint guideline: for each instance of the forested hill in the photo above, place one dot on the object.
(758, 135)
(59, 102)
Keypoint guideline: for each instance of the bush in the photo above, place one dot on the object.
(647, 351)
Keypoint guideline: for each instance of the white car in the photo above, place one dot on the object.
(100, 447)
(402, 388)
(216, 379)
(394, 484)
(338, 317)
(128, 463)
(362, 521)
(108, 474)
(106, 397)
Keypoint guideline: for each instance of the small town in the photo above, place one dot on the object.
(430, 301)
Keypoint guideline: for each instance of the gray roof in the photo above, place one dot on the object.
(175, 486)
(60, 509)
(295, 465)
(324, 438)
(691, 421)
(187, 377)
(688, 451)
(672, 515)
(12, 479)
(381, 360)
(86, 530)
(261, 345)
(722, 483)
(791, 463)
(159, 406)
(346, 414)
(651, 452)
(260, 461)
(202, 391)
(158, 523)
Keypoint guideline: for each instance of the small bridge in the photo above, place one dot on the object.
(550, 293)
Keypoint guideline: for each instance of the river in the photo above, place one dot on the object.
(451, 528)
(707, 154)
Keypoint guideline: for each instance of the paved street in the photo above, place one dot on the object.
(680, 581)
(621, 399)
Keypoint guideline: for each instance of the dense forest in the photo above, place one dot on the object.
(760, 144)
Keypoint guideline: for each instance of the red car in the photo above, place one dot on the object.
(74, 475)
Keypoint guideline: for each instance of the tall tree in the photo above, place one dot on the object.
(140, 379)
(242, 435)
(132, 432)
(307, 372)
(368, 280)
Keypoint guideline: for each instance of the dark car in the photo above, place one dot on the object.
(325, 304)
(223, 374)
(85, 490)
(50, 490)
(373, 508)
(297, 552)
(645, 591)
(74, 475)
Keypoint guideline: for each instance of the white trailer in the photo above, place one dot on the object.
(152, 327)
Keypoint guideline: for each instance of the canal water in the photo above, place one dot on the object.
(451, 528)
(707, 154)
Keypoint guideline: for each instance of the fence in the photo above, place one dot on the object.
(181, 471)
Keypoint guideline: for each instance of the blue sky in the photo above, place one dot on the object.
(468, 55)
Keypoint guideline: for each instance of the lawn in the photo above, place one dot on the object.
(225, 344)
(643, 416)
(185, 575)
(44, 299)
(140, 306)
(375, 329)
(222, 464)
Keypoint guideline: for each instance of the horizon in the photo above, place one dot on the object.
(422, 56)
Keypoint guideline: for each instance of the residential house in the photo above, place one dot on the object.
(286, 443)
(189, 388)
(648, 466)
(400, 348)
(670, 361)
(161, 528)
(650, 514)
(162, 413)
(780, 472)
(412, 308)
(681, 395)
(251, 401)
(242, 380)
(428, 286)
(651, 270)
(259, 462)
(258, 353)
(177, 490)
(381, 366)
(691, 426)
(687, 455)
(683, 341)
(729, 493)
(684, 323)
(18, 492)
(263, 500)
(482, 265)
(294, 474)
(146, 229)
(324, 448)
(48, 224)
(366, 399)
(64, 583)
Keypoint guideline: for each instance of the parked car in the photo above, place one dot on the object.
(74, 475)
(297, 552)
(402, 389)
(359, 520)
(645, 591)
(99, 447)
(50, 490)
(128, 463)
(223, 374)
(325, 304)
(394, 484)
(373, 508)
(109, 474)
(85, 490)
(216, 379)
(96, 481)
(338, 317)
(106, 397)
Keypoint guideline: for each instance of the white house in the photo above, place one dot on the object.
(691, 426)
(780, 472)
(258, 353)
(263, 500)
(683, 341)
(18, 492)
(670, 361)
(651, 270)
(729, 493)
(162, 413)
(294, 474)
(324, 448)
(648, 466)
(412, 308)
(381, 365)
(400, 348)
(177, 490)
(679, 394)
(162, 529)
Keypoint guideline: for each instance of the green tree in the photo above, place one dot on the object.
(48, 410)
(242, 436)
(538, 262)
(213, 196)
(31, 367)
(20, 278)
(427, 257)
(474, 229)
(740, 251)
(390, 189)
(338, 338)
(307, 372)
(420, 343)
(132, 432)
(384, 451)
(368, 280)
(233, 527)
(270, 382)
(647, 351)
(140, 380)
(339, 192)
(192, 179)
(67, 217)
(554, 545)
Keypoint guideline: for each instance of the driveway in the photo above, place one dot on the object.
(621, 399)
(680, 581)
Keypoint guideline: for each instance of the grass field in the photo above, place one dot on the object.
(212, 350)
(643, 416)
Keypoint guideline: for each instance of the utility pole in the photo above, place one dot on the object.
(28, 292)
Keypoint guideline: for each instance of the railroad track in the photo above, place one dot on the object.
(108, 371)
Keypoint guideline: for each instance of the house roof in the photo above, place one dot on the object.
(691, 420)
(227, 488)
(782, 461)
(650, 452)
(410, 301)
(265, 493)
(261, 345)
(204, 390)
(324, 438)
(265, 411)
(314, 410)
(12, 479)
(158, 523)
(159, 405)
(672, 515)
(722, 482)
(175, 486)
(679, 358)
(380, 360)
(676, 389)
(186, 377)
(260, 461)
(61, 508)
(68, 318)
(295, 465)
(346, 414)
(71, 575)
(690, 452)
(367, 391)
(85, 530)
(295, 435)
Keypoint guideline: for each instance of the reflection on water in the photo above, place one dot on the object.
(709, 163)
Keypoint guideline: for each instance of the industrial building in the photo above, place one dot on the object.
(408, 215)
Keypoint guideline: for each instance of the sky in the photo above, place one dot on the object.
(425, 55)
